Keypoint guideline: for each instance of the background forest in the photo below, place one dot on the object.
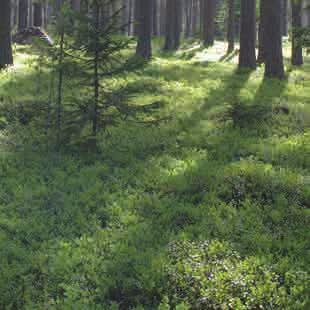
(154, 154)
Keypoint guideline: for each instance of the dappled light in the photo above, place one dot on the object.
(167, 174)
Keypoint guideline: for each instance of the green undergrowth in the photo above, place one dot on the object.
(208, 209)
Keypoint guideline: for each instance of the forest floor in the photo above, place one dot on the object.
(208, 210)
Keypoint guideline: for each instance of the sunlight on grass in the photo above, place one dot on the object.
(221, 179)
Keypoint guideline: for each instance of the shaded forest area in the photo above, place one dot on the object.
(154, 154)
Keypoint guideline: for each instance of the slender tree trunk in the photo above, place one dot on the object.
(130, 17)
(195, 17)
(297, 58)
(144, 46)
(30, 19)
(173, 25)
(261, 32)
(247, 57)
(6, 57)
(154, 17)
(22, 14)
(37, 14)
(284, 17)
(188, 17)
(231, 26)
(208, 8)
(273, 41)
(76, 5)
(136, 14)
(125, 16)
(163, 14)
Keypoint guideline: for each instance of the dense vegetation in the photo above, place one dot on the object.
(208, 209)
(148, 170)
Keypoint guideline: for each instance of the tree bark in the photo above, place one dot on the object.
(208, 8)
(261, 32)
(273, 41)
(144, 24)
(173, 25)
(284, 17)
(6, 57)
(231, 26)
(247, 57)
(297, 58)
(37, 14)
(22, 14)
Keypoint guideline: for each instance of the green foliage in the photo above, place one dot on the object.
(304, 35)
(213, 276)
(192, 213)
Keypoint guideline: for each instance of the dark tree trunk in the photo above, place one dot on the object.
(144, 46)
(22, 14)
(188, 17)
(284, 17)
(208, 8)
(297, 59)
(162, 12)
(247, 57)
(136, 14)
(76, 5)
(30, 17)
(273, 41)
(6, 57)
(173, 25)
(37, 14)
(154, 18)
(261, 32)
(231, 26)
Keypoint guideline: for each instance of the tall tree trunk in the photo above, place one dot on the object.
(136, 14)
(37, 14)
(297, 59)
(22, 14)
(261, 32)
(273, 41)
(154, 17)
(195, 17)
(173, 25)
(125, 16)
(76, 5)
(247, 57)
(144, 46)
(30, 18)
(208, 8)
(231, 26)
(6, 57)
(163, 14)
(188, 17)
(284, 17)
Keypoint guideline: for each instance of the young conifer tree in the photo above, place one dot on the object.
(92, 59)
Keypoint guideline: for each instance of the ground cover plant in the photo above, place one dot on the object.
(196, 192)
